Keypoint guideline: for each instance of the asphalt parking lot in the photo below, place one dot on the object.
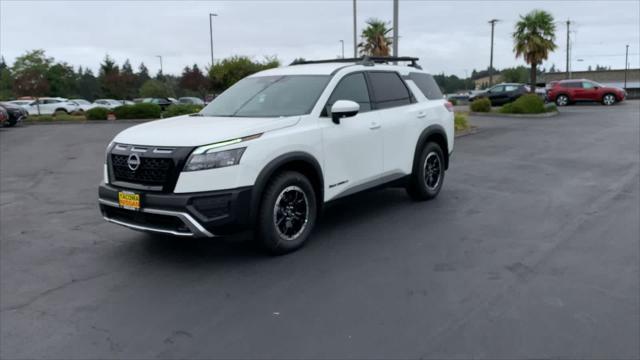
(532, 250)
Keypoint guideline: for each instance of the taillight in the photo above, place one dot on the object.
(449, 106)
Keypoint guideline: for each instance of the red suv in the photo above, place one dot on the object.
(566, 92)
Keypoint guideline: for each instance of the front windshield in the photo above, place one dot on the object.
(269, 96)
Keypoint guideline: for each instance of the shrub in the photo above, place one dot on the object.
(59, 113)
(525, 104)
(453, 101)
(460, 121)
(97, 113)
(551, 108)
(138, 111)
(481, 105)
(507, 108)
(181, 109)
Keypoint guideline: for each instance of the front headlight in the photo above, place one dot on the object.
(209, 159)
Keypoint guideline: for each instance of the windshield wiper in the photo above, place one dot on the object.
(196, 114)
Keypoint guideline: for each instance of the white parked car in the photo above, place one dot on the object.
(50, 105)
(272, 150)
(23, 103)
(83, 105)
(107, 103)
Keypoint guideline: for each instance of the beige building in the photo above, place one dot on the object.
(483, 82)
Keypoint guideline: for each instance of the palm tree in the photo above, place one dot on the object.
(375, 41)
(534, 39)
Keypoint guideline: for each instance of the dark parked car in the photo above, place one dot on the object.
(190, 100)
(163, 102)
(15, 113)
(566, 92)
(501, 94)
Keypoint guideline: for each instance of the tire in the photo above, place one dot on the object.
(287, 213)
(608, 99)
(562, 100)
(428, 173)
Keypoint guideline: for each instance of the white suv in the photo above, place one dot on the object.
(272, 150)
(50, 105)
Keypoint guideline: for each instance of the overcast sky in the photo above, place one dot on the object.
(448, 36)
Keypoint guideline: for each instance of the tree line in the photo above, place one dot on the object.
(36, 74)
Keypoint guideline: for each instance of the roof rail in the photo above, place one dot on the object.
(365, 60)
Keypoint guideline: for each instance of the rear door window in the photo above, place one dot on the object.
(427, 85)
(352, 87)
(388, 89)
(511, 87)
(572, 84)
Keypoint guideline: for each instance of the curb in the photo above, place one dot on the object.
(494, 114)
(470, 131)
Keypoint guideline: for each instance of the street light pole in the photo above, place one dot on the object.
(626, 66)
(211, 15)
(493, 25)
(355, 30)
(395, 28)
(568, 51)
(342, 45)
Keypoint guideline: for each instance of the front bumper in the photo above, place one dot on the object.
(202, 214)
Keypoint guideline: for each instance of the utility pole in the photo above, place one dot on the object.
(342, 45)
(568, 49)
(493, 25)
(211, 15)
(466, 80)
(160, 57)
(395, 29)
(626, 66)
(355, 30)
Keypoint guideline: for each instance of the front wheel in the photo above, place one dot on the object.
(287, 213)
(562, 100)
(608, 99)
(428, 173)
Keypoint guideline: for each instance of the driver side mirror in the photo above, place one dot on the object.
(342, 109)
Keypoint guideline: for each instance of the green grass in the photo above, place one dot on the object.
(461, 122)
(57, 117)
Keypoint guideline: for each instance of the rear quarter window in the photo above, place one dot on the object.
(427, 84)
(388, 89)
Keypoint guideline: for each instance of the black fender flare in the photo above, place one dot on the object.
(274, 165)
(428, 132)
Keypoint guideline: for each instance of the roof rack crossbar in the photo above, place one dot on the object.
(364, 60)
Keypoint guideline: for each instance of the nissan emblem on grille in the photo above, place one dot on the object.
(133, 162)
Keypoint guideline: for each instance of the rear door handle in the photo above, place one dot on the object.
(422, 115)
(374, 126)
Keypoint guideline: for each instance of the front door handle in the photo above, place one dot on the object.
(374, 126)
(422, 115)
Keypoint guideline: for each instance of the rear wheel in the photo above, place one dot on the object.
(608, 99)
(287, 213)
(562, 100)
(428, 173)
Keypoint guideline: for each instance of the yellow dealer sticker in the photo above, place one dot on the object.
(129, 200)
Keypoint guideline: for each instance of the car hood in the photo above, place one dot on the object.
(199, 130)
